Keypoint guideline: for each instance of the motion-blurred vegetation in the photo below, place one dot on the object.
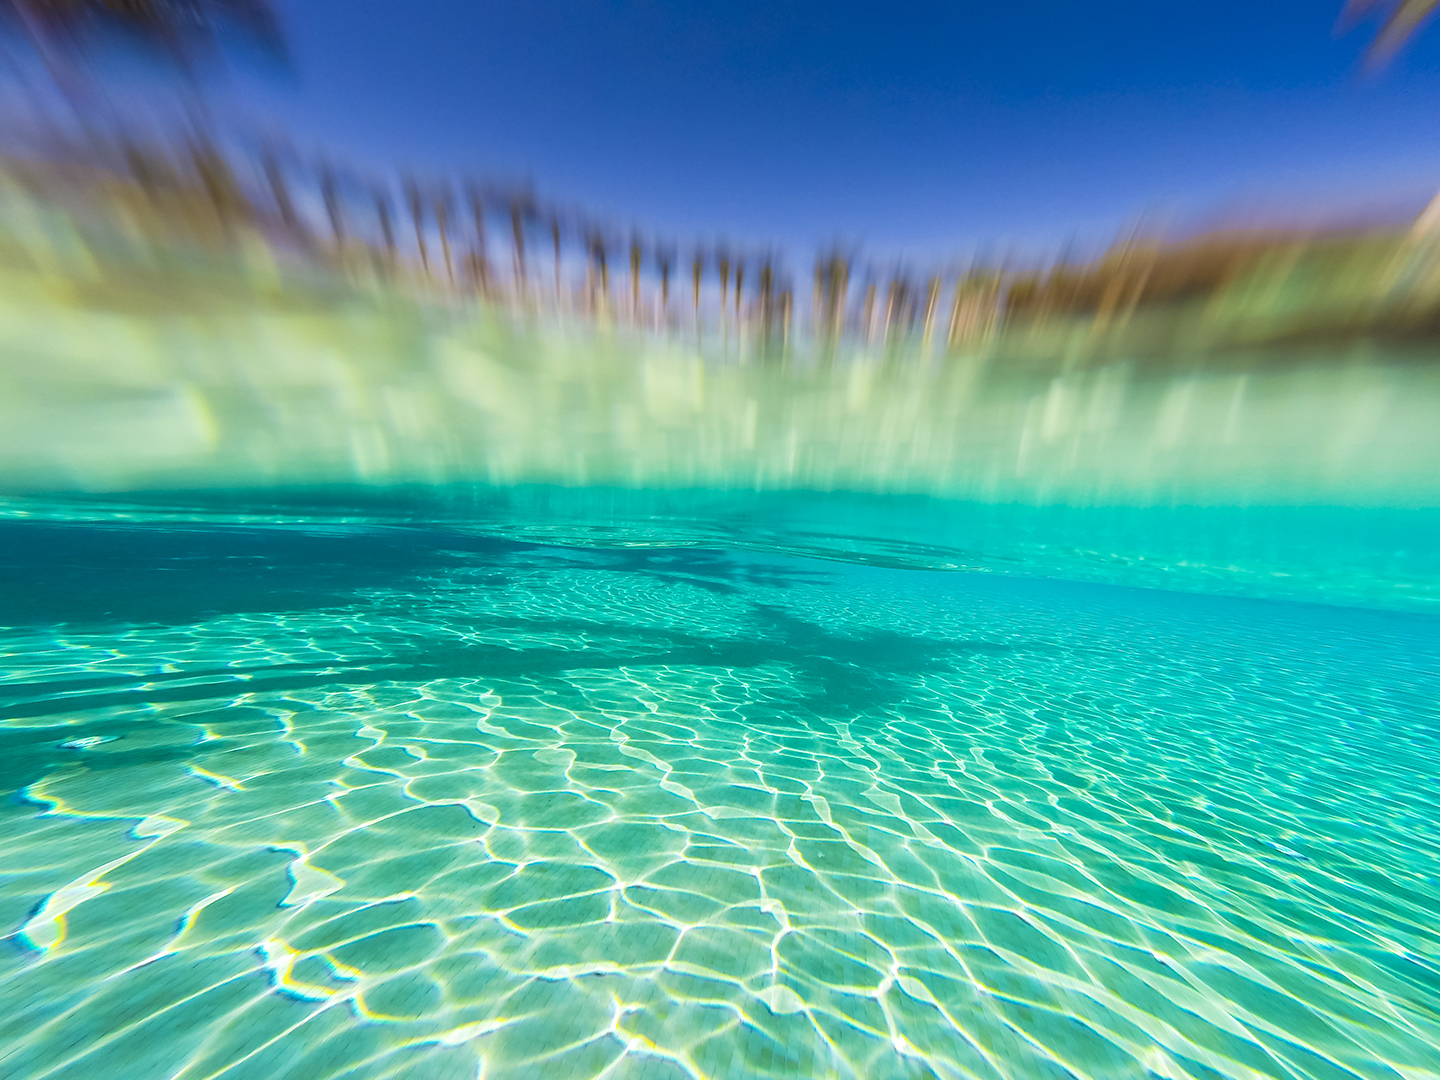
(180, 308)
(146, 215)
(143, 206)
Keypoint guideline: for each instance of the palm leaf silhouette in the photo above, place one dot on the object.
(178, 30)
(1401, 21)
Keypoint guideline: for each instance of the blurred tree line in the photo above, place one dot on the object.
(1144, 298)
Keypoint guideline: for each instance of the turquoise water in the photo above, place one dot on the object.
(588, 784)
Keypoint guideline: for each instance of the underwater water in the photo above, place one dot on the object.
(838, 788)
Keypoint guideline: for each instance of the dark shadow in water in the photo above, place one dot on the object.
(841, 675)
(714, 571)
(85, 575)
(94, 576)
(838, 675)
(103, 576)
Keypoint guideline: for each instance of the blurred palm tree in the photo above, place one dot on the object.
(179, 31)
(1401, 20)
(184, 35)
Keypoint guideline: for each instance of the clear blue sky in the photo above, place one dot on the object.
(923, 127)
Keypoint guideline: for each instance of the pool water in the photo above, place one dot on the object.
(335, 798)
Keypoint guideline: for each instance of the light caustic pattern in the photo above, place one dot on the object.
(513, 810)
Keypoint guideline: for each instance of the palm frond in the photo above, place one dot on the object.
(178, 30)
(1400, 23)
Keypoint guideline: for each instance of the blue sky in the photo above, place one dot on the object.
(922, 128)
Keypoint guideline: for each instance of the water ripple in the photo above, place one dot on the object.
(536, 816)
